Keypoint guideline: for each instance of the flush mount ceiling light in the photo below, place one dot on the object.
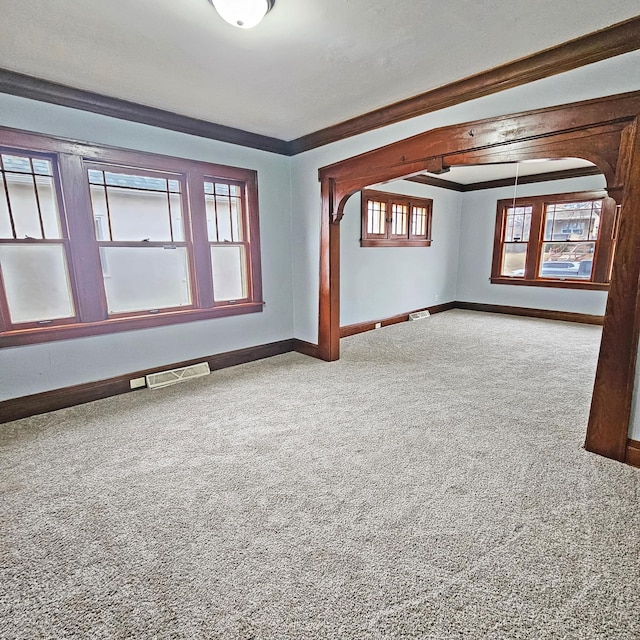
(242, 13)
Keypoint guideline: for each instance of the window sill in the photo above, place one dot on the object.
(553, 284)
(22, 337)
(395, 243)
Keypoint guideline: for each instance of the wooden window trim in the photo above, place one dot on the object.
(603, 255)
(71, 160)
(388, 239)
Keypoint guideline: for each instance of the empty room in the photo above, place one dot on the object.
(319, 319)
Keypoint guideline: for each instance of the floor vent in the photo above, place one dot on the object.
(418, 315)
(165, 378)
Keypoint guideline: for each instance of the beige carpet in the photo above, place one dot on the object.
(431, 484)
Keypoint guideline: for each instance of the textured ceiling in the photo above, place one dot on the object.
(310, 64)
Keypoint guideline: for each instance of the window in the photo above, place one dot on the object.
(33, 243)
(393, 220)
(95, 239)
(563, 240)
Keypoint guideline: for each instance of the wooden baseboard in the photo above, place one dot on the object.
(633, 453)
(31, 405)
(361, 327)
(304, 347)
(565, 316)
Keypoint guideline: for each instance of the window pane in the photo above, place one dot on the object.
(419, 222)
(518, 224)
(28, 192)
(514, 257)
(224, 212)
(572, 220)
(24, 206)
(177, 227)
(137, 207)
(16, 164)
(48, 207)
(567, 260)
(399, 219)
(5, 219)
(138, 215)
(36, 282)
(376, 213)
(229, 273)
(144, 278)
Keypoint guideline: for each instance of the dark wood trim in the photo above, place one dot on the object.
(31, 405)
(578, 172)
(564, 316)
(361, 327)
(633, 453)
(304, 347)
(615, 40)
(550, 284)
(610, 414)
(395, 243)
(603, 131)
(566, 174)
(20, 337)
(25, 86)
(431, 181)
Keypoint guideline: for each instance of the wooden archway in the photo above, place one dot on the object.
(605, 131)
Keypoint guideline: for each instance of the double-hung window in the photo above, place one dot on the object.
(139, 225)
(394, 220)
(95, 239)
(34, 244)
(561, 240)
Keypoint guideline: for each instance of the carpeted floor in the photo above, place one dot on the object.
(430, 484)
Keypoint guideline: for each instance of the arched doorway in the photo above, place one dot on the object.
(605, 131)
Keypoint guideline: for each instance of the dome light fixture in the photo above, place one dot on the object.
(242, 13)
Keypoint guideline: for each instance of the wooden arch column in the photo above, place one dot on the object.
(605, 131)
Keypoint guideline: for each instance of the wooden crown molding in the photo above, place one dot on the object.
(622, 37)
(19, 84)
(615, 40)
(578, 172)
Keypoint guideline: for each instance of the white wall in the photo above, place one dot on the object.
(616, 75)
(476, 251)
(380, 282)
(27, 370)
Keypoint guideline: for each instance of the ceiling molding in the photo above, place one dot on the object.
(438, 182)
(19, 84)
(615, 40)
(566, 174)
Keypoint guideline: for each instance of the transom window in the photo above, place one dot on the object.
(556, 240)
(90, 245)
(394, 220)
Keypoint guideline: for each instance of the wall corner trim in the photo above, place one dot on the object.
(633, 453)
